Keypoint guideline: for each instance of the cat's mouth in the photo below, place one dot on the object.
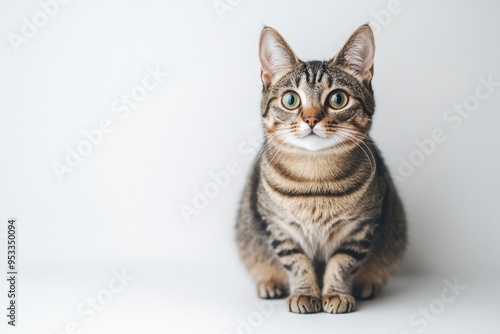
(315, 142)
(313, 134)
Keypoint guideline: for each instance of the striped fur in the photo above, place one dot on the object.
(320, 220)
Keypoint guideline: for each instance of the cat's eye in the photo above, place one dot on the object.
(290, 100)
(337, 99)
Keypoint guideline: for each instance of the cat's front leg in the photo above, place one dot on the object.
(341, 267)
(305, 295)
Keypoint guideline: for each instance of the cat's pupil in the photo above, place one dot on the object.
(337, 99)
(291, 100)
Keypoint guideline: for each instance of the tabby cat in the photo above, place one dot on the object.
(320, 220)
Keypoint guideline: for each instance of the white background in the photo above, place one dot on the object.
(119, 209)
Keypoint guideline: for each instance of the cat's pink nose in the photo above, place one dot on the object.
(311, 121)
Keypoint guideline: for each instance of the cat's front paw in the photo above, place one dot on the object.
(338, 303)
(365, 291)
(271, 290)
(301, 303)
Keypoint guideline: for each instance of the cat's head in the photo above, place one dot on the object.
(317, 105)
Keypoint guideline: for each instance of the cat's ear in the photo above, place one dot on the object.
(357, 53)
(276, 56)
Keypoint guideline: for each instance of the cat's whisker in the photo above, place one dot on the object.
(357, 139)
(345, 149)
(352, 133)
(287, 148)
(357, 143)
(278, 150)
(270, 140)
(356, 134)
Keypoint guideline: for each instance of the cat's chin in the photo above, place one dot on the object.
(316, 143)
